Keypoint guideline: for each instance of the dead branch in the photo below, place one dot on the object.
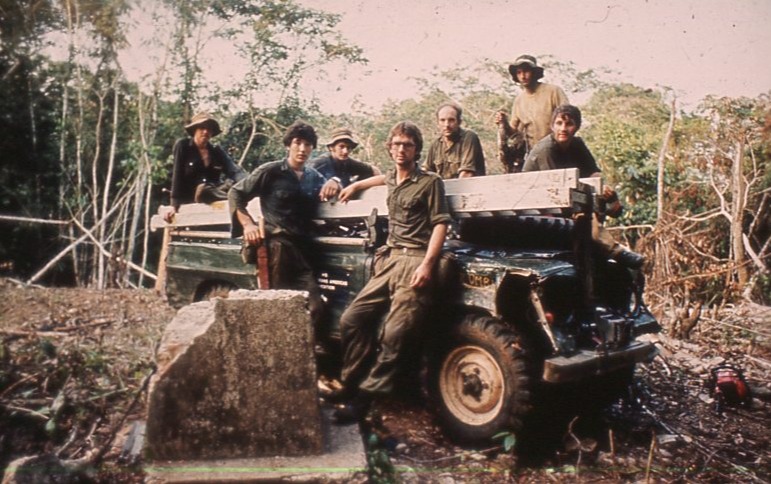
(108, 254)
(13, 218)
(742, 328)
(18, 383)
(26, 411)
(650, 458)
(114, 431)
(70, 247)
(688, 319)
(27, 334)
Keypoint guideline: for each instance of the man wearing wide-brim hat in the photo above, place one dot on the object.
(338, 167)
(202, 172)
(532, 109)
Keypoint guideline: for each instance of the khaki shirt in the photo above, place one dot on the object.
(464, 153)
(531, 112)
(414, 207)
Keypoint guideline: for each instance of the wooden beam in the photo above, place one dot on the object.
(542, 191)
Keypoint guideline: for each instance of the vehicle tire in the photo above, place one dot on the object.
(532, 231)
(481, 380)
(216, 290)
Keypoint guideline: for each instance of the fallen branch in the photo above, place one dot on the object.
(111, 436)
(18, 383)
(13, 218)
(27, 411)
(29, 334)
(63, 331)
(753, 331)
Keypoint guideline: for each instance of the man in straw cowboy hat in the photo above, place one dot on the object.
(338, 167)
(532, 109)
(202, 172)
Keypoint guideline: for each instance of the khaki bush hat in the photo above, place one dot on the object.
(526, 60)
(203, 119)
(341, 134)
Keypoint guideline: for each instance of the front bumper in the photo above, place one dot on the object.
(585, 363)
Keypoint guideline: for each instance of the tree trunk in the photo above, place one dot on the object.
(98, 277)
(662, 157)
(737, 212)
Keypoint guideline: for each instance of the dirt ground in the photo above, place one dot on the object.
(74, 362)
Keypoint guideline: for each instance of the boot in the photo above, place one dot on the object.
(345, 394)
(355, 411)
(629, 259)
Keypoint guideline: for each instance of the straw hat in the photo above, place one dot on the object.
(201, 120)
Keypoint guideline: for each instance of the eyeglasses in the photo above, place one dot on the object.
(402, 144)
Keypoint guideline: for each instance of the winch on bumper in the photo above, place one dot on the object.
(584, 363)
(617, 348)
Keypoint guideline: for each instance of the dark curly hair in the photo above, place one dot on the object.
(302, 130)
(569, 111)
(407, 128)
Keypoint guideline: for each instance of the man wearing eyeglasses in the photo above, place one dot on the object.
(402, 278)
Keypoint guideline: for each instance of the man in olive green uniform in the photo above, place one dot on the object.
(457, 153)
(403, 276)
(532, 109)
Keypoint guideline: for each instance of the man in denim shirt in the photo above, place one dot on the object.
(289, 195)
(338, 167)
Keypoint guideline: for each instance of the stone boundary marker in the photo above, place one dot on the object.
(236, 379)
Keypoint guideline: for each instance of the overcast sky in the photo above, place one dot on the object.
(696, 47)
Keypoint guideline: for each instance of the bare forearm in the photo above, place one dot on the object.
(349, 191)
(435, 243)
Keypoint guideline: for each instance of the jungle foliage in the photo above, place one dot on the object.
(89, 149)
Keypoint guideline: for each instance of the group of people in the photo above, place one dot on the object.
(404, 268)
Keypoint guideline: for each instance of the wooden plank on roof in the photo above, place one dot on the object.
(481, 196)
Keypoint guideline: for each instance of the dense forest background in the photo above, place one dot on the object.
(86, 152)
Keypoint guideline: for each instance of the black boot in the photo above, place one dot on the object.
(629, 259)
(345, 394)
(355, 411)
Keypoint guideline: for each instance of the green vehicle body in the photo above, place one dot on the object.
(523, 304)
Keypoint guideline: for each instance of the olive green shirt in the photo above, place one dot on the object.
(464, 153)
(414, 207)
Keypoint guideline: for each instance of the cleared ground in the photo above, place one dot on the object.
(73, 363)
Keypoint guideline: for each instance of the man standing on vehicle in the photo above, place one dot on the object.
(402, 278)
(202, 172)
(338, 167)
(532, 109)
(457, 153)
(563, 149)
(289, 195)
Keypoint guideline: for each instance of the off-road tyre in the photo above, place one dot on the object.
(533, 231)
(482, 380)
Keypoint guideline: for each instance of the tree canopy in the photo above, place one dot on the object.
(87, 148)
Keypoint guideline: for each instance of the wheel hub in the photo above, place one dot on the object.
(472, 385)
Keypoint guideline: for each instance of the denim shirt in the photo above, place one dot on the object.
(348, 171)
(288, 203)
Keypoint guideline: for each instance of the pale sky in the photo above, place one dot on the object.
(697, 47)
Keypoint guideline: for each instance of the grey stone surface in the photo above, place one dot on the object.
(236, 379)
(343, 461)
